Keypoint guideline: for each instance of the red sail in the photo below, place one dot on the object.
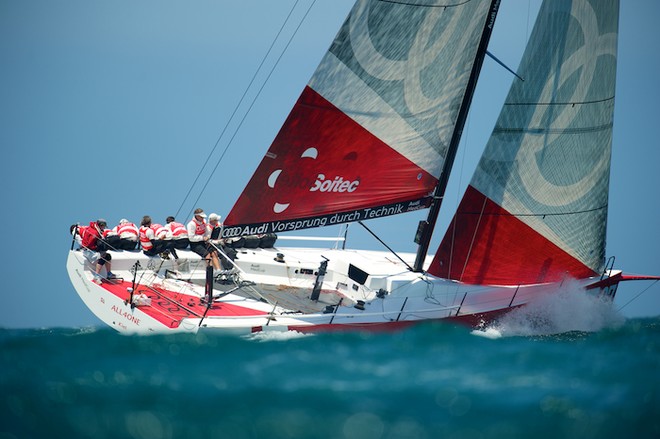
(326, 168)
(485, 244)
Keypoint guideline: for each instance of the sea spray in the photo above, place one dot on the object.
(570, 309)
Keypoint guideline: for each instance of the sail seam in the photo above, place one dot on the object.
(599, 101)
(455, 5)
(577, 212)
(553, 130)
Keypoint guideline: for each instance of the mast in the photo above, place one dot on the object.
(425, 228)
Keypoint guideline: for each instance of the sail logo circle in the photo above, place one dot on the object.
(272, 178)
(592, 63)
(336, 184)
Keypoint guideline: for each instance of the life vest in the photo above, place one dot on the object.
(90, 235)
(81, 230)
(127, 230)
(145, 240)
(200, 229)
(163, 232)
(178, 230)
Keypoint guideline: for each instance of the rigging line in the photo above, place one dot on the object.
(217, 142)
(208, 180)
(452, 224)
(474, 236)
(529, 12)
(497, 60)
(386, 246)
(635, 298)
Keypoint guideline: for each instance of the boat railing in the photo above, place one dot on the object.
(609, 266)
(337, 314)
(336, 239)
(312, 238)
(239, 273)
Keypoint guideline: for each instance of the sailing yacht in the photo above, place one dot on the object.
(374, 134)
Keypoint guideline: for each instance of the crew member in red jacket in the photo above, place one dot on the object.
(92, 233)
(151, 246)
(91, 241)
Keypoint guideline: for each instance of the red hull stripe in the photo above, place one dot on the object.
(323, 162)
(169, 307)
(496, 248)
(470, 320)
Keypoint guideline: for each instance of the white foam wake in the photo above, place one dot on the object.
(570, 309)
(276, 335)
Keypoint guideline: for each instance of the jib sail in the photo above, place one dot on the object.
(536, 207)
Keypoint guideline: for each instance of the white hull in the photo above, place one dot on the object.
(361, 290)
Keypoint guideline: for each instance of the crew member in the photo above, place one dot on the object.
(179, 233)
(151, 246)
(198, 235)
(128, 234)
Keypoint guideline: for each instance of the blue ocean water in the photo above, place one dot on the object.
(519, 378)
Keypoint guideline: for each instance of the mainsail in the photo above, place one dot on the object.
(536, 207)
(369, 134)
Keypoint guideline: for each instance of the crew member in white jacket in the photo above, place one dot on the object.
(199, 234)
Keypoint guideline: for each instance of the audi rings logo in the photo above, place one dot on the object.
(231, 232)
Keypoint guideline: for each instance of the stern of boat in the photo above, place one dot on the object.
(110, 308)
